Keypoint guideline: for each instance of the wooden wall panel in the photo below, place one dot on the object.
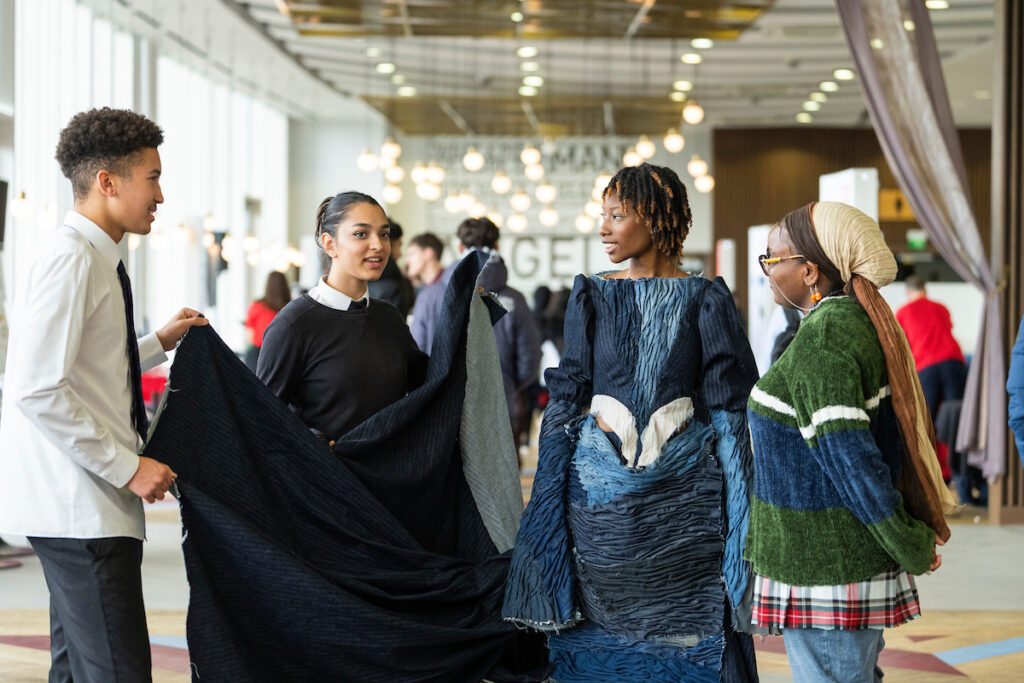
(762, 174)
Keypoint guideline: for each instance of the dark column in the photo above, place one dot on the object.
(1006, 499)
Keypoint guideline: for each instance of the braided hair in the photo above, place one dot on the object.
(333, 210)
(658, 196)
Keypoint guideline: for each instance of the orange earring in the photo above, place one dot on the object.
(815, 295)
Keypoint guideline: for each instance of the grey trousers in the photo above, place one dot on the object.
(98, 630)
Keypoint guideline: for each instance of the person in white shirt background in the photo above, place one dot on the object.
(73, 419)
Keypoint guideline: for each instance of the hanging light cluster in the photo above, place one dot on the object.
(386, 161)
(702, 180)
(530, 156)
(427, 179)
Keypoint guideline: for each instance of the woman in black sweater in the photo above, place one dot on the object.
(334, 355)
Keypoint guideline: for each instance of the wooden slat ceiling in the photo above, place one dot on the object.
(555, 117)
(767, 57)
(721, 19)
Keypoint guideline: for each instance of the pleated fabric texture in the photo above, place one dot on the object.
(630, 551)
(371, 563)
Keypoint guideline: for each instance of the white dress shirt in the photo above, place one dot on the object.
(324, 294)
(67, 442)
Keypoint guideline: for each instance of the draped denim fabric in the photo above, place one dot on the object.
(631, 548)
(370, 563)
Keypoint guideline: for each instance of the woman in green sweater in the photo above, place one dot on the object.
(835, 532)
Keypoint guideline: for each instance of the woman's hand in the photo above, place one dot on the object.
(936, 558)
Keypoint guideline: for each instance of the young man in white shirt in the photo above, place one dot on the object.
(73, 418)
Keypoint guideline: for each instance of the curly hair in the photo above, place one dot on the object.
(658, 196)
(103, 139)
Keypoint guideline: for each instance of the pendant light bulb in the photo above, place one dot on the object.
(473, 160)
(645, 148)
(673, 141)
(704, 184)
(530, 155)
(367, 161)
(697, 166)
(693, 113)
(501, 183)
(545, 193)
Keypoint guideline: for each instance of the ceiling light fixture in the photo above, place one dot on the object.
(685, 86)
(545, 193)
(501, 183)
(367, 161)
(844, 74)
(435, 174)
(645, 148)
(392, 194)
(428, 191)
(473, 160)
(390, 148)
(677, 96)
(529, 66)
(828, 86)
(406, 91)
(527, 52)
(527, 91)
(804, 117)
(691, 58)
(693, 113)
(516, 17)
(702, 43)
(395, 175)
(530, 155)
(818, 97)
(936, 4)
(520, 202)
(385, 68)
(697, 166)
(584, 223)
(704, 184)
(811, 106)
(534, 81)
(516, 222)
(534, 172)
(673, 141)
(548, 217)
(632, 157)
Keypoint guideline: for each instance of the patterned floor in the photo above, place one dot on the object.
(972, 628)
(984, 646)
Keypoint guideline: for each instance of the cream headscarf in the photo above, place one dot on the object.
(854, 244)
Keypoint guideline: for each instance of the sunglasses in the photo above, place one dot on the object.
(766, 261)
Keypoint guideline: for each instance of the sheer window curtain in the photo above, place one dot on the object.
(906, 96)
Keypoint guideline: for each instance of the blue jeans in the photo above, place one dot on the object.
(818, 655)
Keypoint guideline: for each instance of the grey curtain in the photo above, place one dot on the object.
(902, 81)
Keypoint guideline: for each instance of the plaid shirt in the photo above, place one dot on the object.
(883, 601)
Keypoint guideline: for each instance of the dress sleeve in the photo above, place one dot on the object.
(729, 374)
(540, 592)
(1015, 388)
(830, 402)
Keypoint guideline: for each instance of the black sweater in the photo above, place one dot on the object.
(337, 368)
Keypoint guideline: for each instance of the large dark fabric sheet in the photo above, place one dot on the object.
(367, 564)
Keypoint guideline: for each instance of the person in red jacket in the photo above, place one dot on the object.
(937, 356)
(262, 311)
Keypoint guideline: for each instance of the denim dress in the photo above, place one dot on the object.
(630, 553)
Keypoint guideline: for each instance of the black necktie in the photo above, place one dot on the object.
(357, 305)
(139, 418)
